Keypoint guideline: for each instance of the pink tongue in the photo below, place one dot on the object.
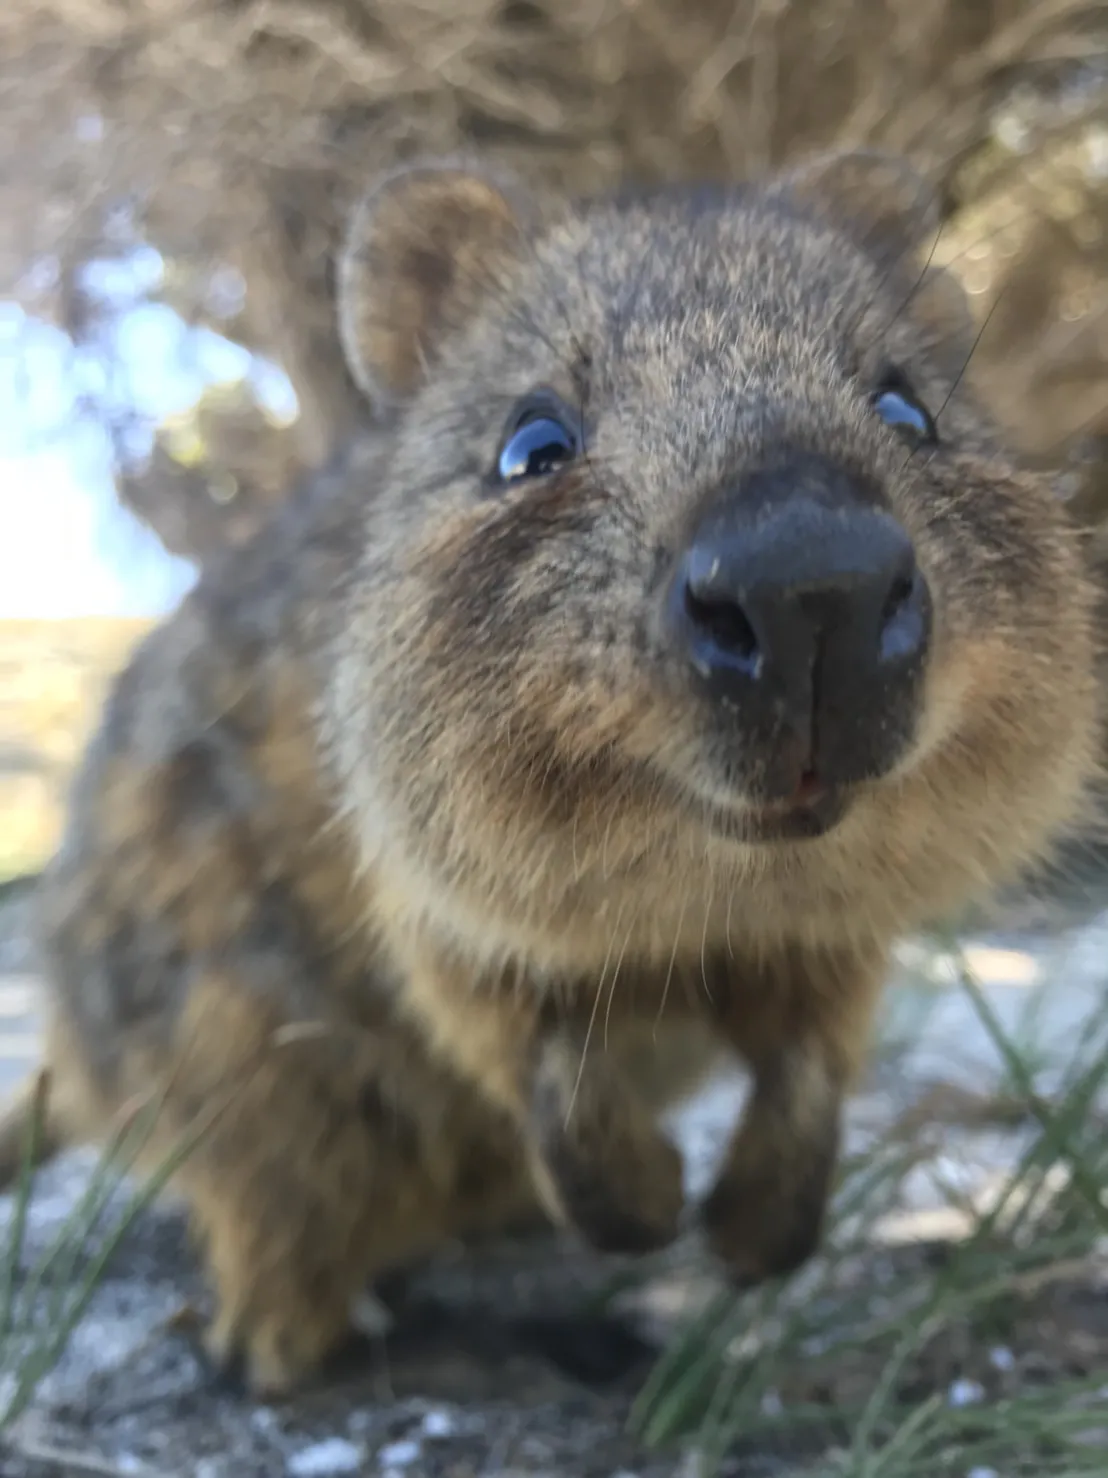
(809, 789)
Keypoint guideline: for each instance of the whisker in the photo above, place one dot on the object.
(973, 350)
(928, 260)
(727, 923)
(589, 1029)
(887, 275)
(672, 963)
(704, 943)
(615, 977)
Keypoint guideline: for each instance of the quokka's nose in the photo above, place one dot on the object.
(800, 603)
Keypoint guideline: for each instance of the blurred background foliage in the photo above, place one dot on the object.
(183, 167)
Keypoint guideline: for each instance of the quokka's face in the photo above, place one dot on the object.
(683, 537)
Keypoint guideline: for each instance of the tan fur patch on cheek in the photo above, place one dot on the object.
(448, 542)
(961, 678)
(585, 717)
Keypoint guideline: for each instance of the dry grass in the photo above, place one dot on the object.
(234, 133)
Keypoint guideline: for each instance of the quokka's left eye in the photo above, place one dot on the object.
(900, 407)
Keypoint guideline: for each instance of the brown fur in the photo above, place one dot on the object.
(401, 842)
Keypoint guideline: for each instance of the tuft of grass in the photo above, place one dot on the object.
(919, 1360)
(42, 1305)
(882, 1360)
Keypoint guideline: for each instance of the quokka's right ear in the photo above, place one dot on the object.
(424, 250)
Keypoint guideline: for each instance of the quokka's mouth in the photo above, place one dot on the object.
(811, 812)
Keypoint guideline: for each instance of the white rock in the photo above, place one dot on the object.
(439, 1424)
(336, 1455)
(399, 1454)
(965, 1393)
(370, 1317)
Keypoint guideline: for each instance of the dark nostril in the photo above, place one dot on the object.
(899, 595)
(725, 623)
(903, 618)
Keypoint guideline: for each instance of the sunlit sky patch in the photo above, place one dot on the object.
(67, 547)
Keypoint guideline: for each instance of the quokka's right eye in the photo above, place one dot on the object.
(542, 438)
